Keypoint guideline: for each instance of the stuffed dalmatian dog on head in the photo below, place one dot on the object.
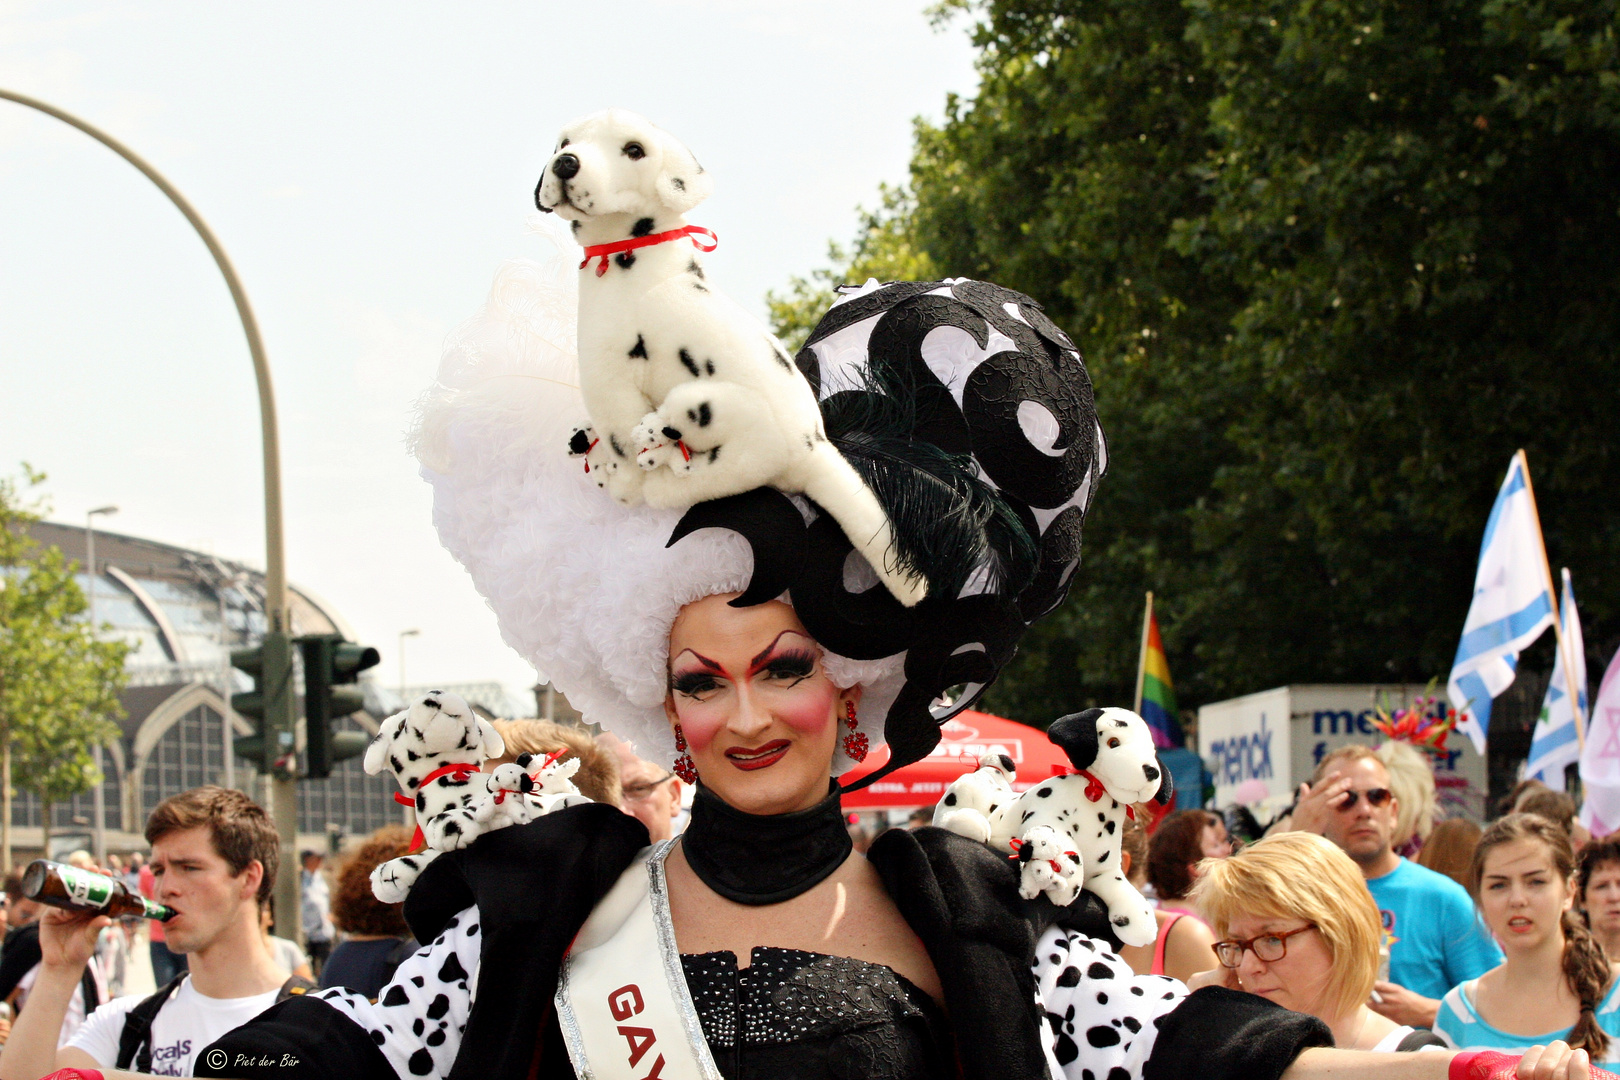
(690, 397)
(1066, 831)
(434, 750)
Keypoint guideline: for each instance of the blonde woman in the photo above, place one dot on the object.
(1296, 925)
(1411, 778)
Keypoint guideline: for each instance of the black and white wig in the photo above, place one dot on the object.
(964, 408)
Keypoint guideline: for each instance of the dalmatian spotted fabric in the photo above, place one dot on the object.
(418, 1019)
(1103, 1017)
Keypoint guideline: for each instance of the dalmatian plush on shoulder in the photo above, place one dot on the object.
(1066, 831)
(553, 781)
(434, 750)
(530, 787)
(972, 799)
(505, 800)
(690, 397)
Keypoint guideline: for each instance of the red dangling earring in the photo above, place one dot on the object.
(683, 762)
(855, 743)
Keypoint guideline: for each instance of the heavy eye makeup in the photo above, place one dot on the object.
(693, 684)
(790, 667)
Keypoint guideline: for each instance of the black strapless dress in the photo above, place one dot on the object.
(793, 1015)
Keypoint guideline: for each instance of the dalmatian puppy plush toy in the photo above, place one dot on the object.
(505, 799)
(690, 397)
(434, 750)
(1066, 831)
(553, 784)
(973, 798)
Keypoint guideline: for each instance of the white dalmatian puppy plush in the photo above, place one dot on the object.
(434, 750)
(530, 787)
(553, 783)
(690, 397)
(972, 798)
(1066, 831)
(505, 799)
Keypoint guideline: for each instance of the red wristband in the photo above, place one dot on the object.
(1483, 1065)
(75, 1074)
(1495, 1065)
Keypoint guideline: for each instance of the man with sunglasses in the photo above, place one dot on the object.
(1434, 938)
(652, 794)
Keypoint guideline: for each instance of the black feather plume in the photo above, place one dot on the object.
(948, 524)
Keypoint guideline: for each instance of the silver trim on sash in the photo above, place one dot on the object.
(657, 899)
(569, 1023)
(658, 895)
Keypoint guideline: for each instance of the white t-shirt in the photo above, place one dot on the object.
(186, 1023)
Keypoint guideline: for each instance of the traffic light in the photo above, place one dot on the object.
(267, 706)
(331, 667)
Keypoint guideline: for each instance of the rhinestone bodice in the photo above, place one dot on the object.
(794, 1015)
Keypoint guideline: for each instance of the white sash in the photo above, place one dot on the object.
(622, 999)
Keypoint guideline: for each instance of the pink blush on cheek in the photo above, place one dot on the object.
(700, 723)
(808, 711)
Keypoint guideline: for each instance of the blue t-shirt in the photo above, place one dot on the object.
(1460, 1025)
(1435, 938)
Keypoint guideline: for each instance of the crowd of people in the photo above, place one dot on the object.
(1496, 938)
(1398, 932)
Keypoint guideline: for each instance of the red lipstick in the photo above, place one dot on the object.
(759, 757)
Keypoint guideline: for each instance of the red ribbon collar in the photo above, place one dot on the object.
(602, 251)
(461, 771)
(1094, 787)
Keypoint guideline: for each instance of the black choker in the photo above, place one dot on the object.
(756, 859)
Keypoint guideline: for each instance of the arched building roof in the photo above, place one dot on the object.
(181, 612)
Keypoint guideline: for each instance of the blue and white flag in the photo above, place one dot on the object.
(1513, 604)
(1554, 744)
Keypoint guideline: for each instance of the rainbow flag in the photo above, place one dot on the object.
(1155, 695)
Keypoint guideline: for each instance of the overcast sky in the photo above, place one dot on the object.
(367, 166)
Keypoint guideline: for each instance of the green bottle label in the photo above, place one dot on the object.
(92, 890)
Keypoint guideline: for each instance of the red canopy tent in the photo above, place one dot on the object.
(964, 739)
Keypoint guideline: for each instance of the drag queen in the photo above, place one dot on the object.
(745, 643)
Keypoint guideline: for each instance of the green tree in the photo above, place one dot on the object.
(883, 249)
(58, 684)
(1330, 263)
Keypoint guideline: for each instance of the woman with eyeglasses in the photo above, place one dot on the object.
(1556, 981)
(1295, 925)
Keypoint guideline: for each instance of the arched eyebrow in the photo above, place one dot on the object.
(759, 658)
(712, 665)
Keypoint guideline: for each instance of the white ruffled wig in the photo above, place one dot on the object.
(587, 589)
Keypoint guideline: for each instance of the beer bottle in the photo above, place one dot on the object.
(84, 890)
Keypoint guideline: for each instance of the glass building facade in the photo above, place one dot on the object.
(182, 612)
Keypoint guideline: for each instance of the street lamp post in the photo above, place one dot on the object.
(403, 634)
(278, 705)
(99, 799)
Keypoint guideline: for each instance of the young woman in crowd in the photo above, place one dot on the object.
(1556, 982)
(1298, 927)
(1184, 946)
(1597, 880)
(1181, 842)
